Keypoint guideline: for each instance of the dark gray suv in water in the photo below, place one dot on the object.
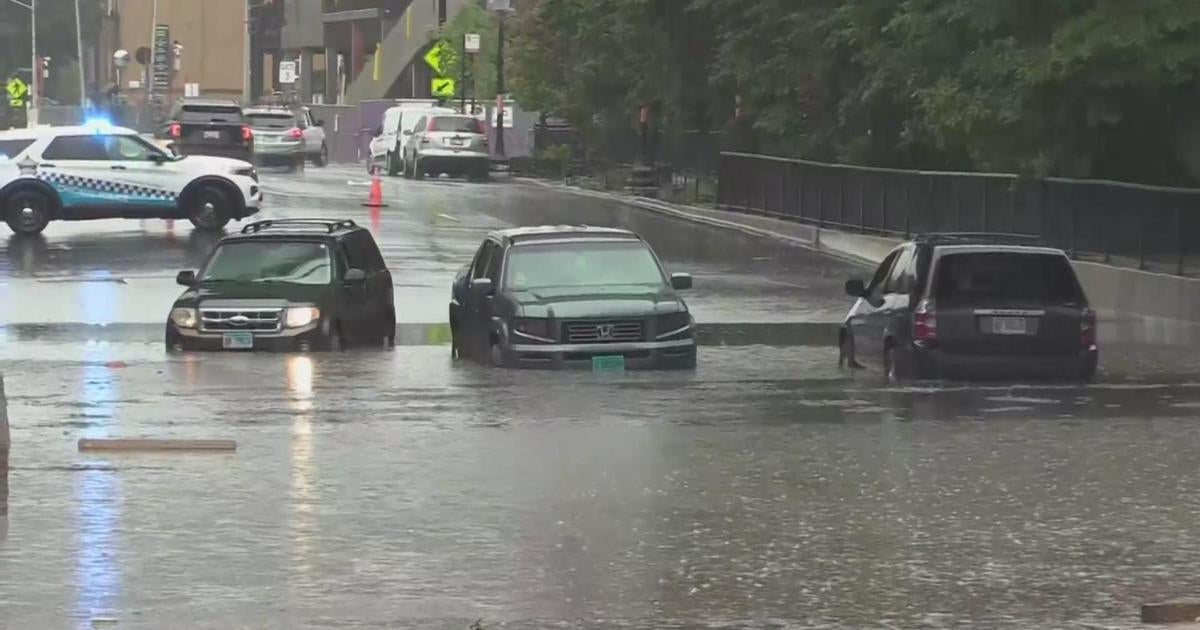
(570, 296)
(971, 305)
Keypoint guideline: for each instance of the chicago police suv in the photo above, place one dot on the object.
(98, 171)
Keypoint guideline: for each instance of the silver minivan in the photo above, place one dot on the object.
(453, 144)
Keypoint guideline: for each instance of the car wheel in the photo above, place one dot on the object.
(389, 334)
(455, 349)
(322, 157)
(333, 340)
(393, 167)
(496, 354)
(897, 366)
(208, 208)
(416, 167)
(171, 339)
(28, 212)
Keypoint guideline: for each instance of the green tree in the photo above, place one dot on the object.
(481, 67)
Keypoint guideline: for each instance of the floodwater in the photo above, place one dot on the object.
(401, 489)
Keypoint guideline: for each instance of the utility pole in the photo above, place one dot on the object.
(35, 67)
(462, 76)
(150, 66)
(246, 57)
(79, 53)
(500, 87)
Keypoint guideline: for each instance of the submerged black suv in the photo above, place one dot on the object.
(570, 296)
(971, 305)
(294, 284)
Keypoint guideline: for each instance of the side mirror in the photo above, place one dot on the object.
(681, 281)
(158, 158)
(855, 288)
(379, 131)
(186, 278)
(319, 122)
(483, 287)
(356, 276)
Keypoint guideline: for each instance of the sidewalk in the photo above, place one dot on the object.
(859, 249)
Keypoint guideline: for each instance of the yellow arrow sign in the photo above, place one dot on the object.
(16, 88)
(438, 56)
(442, 87)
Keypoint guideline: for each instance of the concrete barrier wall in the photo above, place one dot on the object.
(5, 443)
(1133, 305)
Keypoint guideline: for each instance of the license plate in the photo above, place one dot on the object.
(212, 135)
(1008, 325)
(237, 341)
(608, 363)
(455, 142)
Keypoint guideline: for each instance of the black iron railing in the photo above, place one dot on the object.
(1119, 223)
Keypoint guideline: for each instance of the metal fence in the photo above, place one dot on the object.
(1120, 223)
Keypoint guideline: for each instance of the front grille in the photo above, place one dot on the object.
(602, 331)
(240, 319)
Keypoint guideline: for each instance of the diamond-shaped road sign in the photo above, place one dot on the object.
(438, 56)
(442, 87)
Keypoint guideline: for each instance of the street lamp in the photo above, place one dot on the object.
(502, 8)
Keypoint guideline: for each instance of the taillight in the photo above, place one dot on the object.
(175, 130)
(247, 135)
(295, 133)
(924, 323)
(1087, 330)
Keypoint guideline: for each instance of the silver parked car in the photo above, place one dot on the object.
(451, 144)
(278, 139)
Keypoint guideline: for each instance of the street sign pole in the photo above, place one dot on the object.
(462, 77)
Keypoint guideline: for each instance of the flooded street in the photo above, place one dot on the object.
(401, 489)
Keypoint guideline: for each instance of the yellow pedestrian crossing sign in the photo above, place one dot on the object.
(17, 90)
(442, 87)
(439, 56)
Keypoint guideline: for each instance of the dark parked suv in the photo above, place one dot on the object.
(298, 284)
(570, 296)
(971, 305)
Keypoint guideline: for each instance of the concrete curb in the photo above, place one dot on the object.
(836, 244)
(86, 444)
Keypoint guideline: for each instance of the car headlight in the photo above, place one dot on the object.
(183, 317)
(674, 323)
(534, 327)
(302, 316)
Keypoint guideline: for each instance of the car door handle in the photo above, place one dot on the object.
(46, 165)
(117, 167)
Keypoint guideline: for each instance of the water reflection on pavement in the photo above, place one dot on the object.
(399, 489)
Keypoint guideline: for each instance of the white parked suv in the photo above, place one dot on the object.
(97, 171)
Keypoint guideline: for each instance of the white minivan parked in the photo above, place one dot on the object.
(387, 145)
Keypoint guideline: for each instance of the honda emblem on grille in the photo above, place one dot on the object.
(239, 320)
(604, 331)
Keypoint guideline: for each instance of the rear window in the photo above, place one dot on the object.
(10, 148)
(271, 121)
(211, 113)
(455, 124)
(1006, 277)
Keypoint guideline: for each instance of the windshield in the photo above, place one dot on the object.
(1006, 277)
(581, 265)
(271, 121)
(455, 124)
(266, 261)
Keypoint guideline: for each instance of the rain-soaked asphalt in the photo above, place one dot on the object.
(395, 489)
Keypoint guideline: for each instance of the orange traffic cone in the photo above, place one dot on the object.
(375, 199)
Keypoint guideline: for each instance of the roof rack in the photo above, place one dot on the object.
(330, 225)
(979, 237)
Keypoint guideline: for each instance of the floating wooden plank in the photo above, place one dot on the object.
(119, 444)
(1179, 611)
